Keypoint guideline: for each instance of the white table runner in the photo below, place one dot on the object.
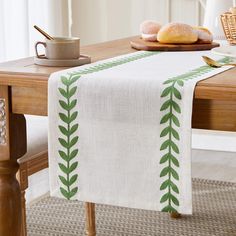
(120, 130)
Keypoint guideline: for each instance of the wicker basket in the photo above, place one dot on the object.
(229, 25)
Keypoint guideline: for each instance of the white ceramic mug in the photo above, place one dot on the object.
(60, 48)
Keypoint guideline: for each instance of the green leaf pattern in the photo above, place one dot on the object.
(68, 140)
(170, 137)
(69, 128)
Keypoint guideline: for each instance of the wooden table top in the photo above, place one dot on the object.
(25, 73)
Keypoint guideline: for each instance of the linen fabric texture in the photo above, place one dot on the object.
(120, 130)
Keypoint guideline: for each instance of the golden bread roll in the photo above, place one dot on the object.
(204, 35)
(149, 30)
(177, 33)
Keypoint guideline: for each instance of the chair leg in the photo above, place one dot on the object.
(22, 177)
(175, 215)
(90, 219)
(23, 213)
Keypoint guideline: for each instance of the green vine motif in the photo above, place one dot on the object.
(171, 121)
(114, 63)
(68, 140)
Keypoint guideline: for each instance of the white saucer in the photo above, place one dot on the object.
(226, 50)
(62, 63)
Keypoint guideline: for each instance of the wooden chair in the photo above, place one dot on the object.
(34, 160)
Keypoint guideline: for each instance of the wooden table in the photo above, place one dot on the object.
(23, 90)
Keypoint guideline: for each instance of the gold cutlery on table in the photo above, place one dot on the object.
(214, 63)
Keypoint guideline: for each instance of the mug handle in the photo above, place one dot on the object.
(36, 49)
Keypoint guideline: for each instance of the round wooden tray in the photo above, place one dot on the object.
(140, 44)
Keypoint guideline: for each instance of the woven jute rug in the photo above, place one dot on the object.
(214, 215)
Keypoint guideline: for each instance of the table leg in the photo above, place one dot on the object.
(12, 146)
(10, 201)
(90, 219)
(22, 177)
(175, 215)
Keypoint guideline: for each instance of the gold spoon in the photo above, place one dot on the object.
(43, 33)
(214, 63)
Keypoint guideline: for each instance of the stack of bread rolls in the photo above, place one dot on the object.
(174, 33)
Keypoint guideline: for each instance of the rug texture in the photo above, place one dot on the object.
(214, 214)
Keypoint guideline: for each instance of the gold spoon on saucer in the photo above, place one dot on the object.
(215, 64)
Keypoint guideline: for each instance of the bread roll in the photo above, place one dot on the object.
(149, 30)
(204, 35)
(177, 33)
